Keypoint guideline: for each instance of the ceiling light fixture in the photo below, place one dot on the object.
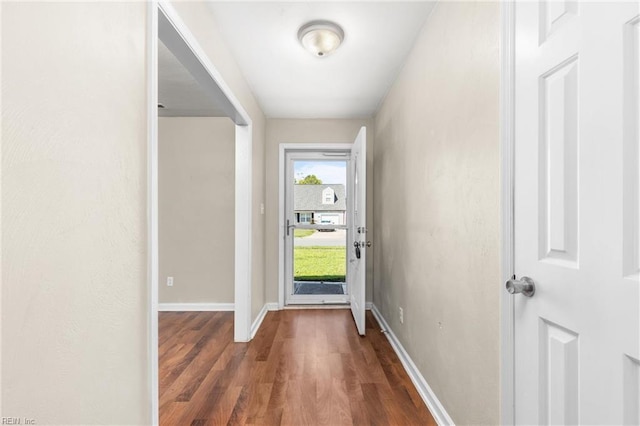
(321, 38)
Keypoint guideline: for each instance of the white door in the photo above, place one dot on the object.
(577, 212)
(357, 249)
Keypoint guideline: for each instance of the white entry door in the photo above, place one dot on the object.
(577, 212)
(357, 249)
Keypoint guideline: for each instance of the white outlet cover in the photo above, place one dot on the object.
(170, 281)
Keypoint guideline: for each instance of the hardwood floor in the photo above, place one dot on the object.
(304, 367)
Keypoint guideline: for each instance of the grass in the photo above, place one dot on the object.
(320, 264)
(301, 233)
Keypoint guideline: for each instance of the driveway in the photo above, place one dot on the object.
(324, 239)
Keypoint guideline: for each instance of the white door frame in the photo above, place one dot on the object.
(293, 147)
(195, 59)
(507, 146)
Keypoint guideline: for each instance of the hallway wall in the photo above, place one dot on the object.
(74, 206)
(306, 131)
(436, 208)
(74, 213)
(204, 27)
(196, 197)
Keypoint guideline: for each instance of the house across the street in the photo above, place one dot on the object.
(316, 204)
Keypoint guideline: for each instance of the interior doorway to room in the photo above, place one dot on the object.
(184, 83)
(317, 210)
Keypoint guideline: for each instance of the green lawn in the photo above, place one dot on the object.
(320, 264)
(301, 233)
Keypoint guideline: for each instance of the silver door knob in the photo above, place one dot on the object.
(526, 286)
(368, 243)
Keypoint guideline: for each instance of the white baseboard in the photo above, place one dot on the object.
(180, 307)
(263, 312)
(426, 393)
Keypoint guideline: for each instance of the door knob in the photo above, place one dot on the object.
(526, 286)
(368, 243)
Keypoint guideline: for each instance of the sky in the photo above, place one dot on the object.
(326, 171)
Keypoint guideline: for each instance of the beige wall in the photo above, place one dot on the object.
(436, 198)
(306, 131)
(202, 24)
(197, 199)
(74, 265)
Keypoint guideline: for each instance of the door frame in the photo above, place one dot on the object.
(283, 149)
(507, 184)
(195, 60)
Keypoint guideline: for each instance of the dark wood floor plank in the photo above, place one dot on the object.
(341, 409)
(375, 410)
(220, 414)
(304, 367)
(180, 383)
(240, 413)
(259, 396)
(172, 413)
(168, 364)
(303, 412)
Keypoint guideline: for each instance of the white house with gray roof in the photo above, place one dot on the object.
(316, 204)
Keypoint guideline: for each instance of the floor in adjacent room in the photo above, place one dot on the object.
(304, 367)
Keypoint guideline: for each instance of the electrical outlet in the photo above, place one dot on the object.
(401, 313)
(170, 281)
(261, 208)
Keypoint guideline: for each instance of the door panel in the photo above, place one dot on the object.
(559, 360)
(558, 173)
(631, 391)
(577, 206)
(358, 256)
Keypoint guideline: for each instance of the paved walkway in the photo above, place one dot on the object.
(323, 239)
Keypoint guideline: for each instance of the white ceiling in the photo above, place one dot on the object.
(291, 83)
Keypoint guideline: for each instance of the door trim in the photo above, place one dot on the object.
(507, 163)
(153, 230)
(243, 184)
(283, 148)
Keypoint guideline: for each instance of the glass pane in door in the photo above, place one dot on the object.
(319, 261)
(319, 254)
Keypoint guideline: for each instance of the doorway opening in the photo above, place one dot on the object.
(317, 210)
(351, 157)
(170, 37)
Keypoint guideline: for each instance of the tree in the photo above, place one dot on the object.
(310, 180)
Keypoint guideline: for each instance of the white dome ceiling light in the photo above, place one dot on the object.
(321, 38)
